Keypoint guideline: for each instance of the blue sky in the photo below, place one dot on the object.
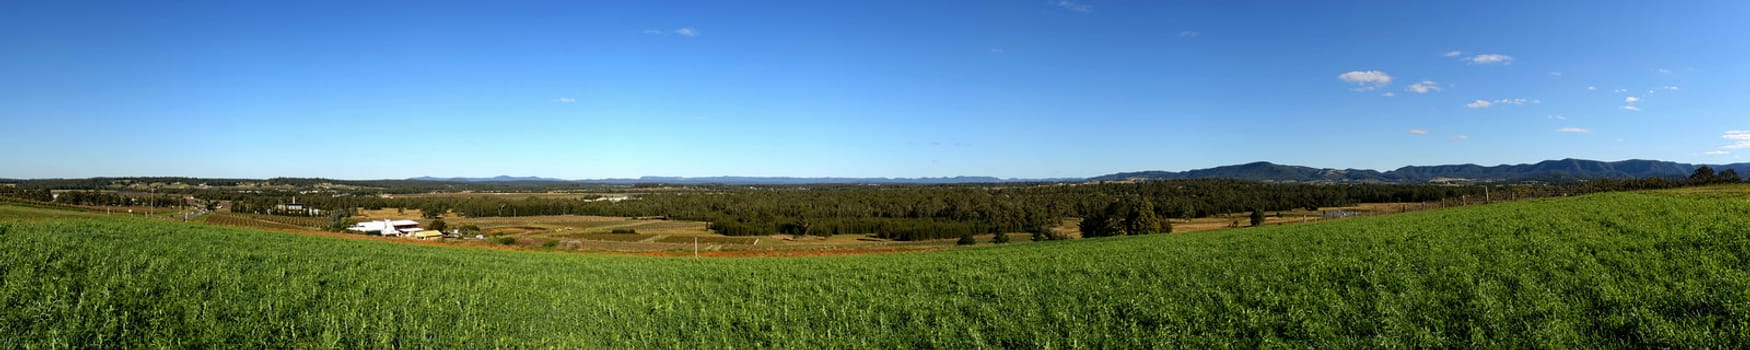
(575, 89)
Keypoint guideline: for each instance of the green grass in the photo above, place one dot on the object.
(1607, 270)
(20, 211)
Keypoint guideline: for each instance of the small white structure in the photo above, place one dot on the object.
(395, 228)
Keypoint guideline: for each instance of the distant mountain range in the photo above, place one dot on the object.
(500, 178)
(750, 180)
(1549, 170)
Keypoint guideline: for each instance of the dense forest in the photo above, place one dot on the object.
(902, 212)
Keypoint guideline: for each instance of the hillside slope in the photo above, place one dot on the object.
(1563, 170)
(1607, 270)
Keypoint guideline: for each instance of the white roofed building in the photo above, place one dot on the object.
(388, 227)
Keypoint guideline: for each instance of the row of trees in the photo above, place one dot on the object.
(914, 212)
(943, 211)
(1705, 175)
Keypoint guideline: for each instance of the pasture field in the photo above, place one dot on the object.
(1645, 269)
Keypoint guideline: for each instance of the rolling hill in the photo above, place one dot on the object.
(1629, 270)
(1549, 170)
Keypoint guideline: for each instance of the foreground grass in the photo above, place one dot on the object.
(1608, 270)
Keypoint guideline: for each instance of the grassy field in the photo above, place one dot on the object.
(1665, 269)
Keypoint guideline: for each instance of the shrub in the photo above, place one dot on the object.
(506, 240)
(624, 231)
(1000, 238)
(966, 239)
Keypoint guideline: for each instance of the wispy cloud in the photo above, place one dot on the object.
(1662, 70)
(1558, 117)
(564, 100)
(1670, 88)
(1190, 34)
(1591, 88)
(682, 31)
(1739, 139)
(1631, 99)
(1716, 152)
(1629, 103)
(1453, 53)
(1631, 108)
(1419, 131)
(1074, 6)
(1459, 138)
(1367, 80)
(1505, 101)
(1575, 130)
(1389, 94)
(1491, 58)
(1425, 86)
(1620, 90)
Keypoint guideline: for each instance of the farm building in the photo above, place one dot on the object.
(388, 227)
(424, 235)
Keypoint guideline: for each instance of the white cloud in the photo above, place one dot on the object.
(1504, 101)
(1591, 88)
(1621, 90)
(1459, 138)
(1575, 130)
(1491, 59)
(1189, 34)
(682, 31)
(1419, 131)
(1559, 117)
(1425, 86)
(1389, 94)
(1368, 80)
(1453, 53)
(1629, 103)
(1075, 6)
(1716, 152)
(565, 100)
(1670, 87)
(1740, 139)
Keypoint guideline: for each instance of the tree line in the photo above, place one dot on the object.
(911, 212)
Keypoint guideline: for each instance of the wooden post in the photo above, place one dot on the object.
(695, 246)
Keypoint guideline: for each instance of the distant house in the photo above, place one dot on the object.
(423, 235)
(394, 228)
